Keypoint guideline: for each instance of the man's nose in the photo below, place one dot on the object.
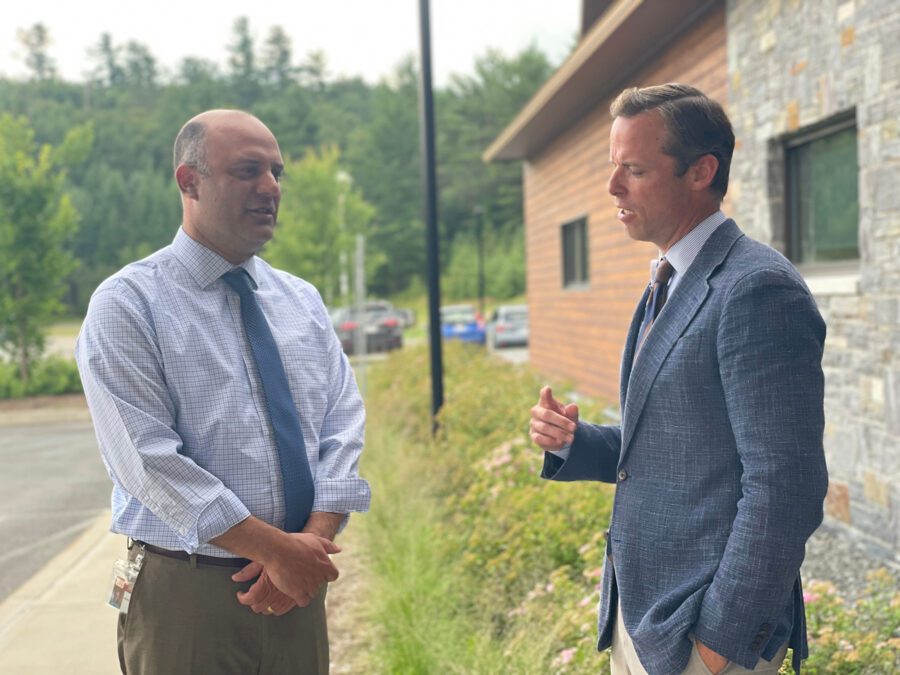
(269, 185)
(613, 185)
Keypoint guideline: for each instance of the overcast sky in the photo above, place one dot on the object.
(359, 37)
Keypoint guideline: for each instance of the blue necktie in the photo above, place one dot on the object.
(296, 477)
(658, 294)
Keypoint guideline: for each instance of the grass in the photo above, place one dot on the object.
(425, 608)
(452, 592)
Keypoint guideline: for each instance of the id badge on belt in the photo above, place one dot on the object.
(124, 574)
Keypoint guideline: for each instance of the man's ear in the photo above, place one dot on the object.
(703, 172)
(188, 179)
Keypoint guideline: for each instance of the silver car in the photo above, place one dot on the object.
(508, 326)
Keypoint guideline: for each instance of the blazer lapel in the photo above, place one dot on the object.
(678, 312)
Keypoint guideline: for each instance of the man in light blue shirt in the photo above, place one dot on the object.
(186, 434)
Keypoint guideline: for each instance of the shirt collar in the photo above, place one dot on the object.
(683, 252)
(205, 265)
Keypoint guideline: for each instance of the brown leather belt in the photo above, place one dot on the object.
(194, 558)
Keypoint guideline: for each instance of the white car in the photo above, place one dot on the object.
(508, 326)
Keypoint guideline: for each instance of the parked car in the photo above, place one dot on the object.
(408, 316)
(462, 322)
(378, 321)
(508, 327)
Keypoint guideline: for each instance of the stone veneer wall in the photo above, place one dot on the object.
(791, 64)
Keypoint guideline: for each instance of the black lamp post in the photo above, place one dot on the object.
(426, 116)
(478, 211)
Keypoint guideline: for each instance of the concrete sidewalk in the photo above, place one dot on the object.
(58, 621)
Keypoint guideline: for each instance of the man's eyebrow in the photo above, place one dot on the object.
(254, 162)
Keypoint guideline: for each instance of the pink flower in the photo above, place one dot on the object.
(809, 597)
(566, 655)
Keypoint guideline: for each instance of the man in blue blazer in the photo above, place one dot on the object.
(718, 462)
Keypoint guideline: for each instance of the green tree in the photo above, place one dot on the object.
(315, 70)
(36, 41)
(385, 161)
(471, 113)
(320, 215)
(108, 70)
(276, 59)
(36, 220)
(140, 66)
(242, 63)
(124, 190)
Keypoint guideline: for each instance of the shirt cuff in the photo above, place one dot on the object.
(342, 496)
(217, 518)
(563, 452)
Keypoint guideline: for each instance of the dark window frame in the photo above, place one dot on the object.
(575, 265)
(790, 241)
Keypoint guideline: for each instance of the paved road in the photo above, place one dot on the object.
(513, 354)
(52, 487)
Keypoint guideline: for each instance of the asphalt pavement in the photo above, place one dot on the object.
(52, 487)
(57, 555)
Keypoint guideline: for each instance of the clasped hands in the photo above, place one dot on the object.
(290, 577)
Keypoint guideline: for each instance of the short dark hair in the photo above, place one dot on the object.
(190, 147)
(697, 125)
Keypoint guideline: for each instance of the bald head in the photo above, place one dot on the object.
(228, 167)
(191, 142)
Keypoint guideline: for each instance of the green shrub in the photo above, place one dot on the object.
(50, 376)
(862, 637)
(481, 567)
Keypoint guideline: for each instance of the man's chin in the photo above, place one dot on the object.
(636, 233)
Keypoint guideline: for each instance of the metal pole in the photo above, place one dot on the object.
(344, 180)
(479, 231)
(426, 117)
(359, 346)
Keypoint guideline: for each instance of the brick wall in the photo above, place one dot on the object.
(577, 334)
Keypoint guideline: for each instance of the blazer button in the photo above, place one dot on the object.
(623, 474)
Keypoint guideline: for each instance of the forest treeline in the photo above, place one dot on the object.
(352, 151)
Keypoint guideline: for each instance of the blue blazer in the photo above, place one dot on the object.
(718, 462)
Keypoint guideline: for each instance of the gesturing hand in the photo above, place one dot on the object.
(552, 424)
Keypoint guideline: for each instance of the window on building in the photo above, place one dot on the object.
(575, 253)
(822, 193)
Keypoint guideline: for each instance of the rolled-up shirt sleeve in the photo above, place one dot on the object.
(339, 488)
(123, 374)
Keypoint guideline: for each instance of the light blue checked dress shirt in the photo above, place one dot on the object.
(178, 406)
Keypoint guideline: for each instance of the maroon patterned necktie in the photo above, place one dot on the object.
(658, 295)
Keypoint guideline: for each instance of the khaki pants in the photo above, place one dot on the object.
(186, 619)
(625, 661)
